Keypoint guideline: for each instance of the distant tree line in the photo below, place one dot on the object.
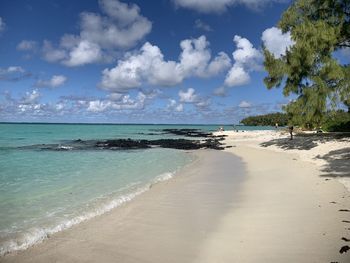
(267, 119)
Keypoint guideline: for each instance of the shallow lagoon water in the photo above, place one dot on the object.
(42, 192)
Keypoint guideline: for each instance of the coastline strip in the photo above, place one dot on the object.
(166, 224)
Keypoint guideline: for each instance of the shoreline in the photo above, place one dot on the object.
(282, 210)
(40, 235)
(165, 213)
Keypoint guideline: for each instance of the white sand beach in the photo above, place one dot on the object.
(249, 203)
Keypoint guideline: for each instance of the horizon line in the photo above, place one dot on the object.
(112, 123)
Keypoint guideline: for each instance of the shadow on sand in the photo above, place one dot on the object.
(338, 161)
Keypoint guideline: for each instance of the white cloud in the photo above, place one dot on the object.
(52, 54)
(174, 106)
(219, 6)
(84, 53)
(219, 64)
(13, 73)
(244, 104)
(31, 97)
(245, 54)
(246, 59)
(27, 45)
(54, 82)
(59, 106)
(172, 103)
(121, 27)
(14, 69)
(179, 108)
(276, 42)
(203, 103)
(205, 6)
(188, 96)
(148, 65)
(191, 97)
(124, 103)
(199, 24)
(98, 105)
(237, 76)
(195, 56)
(125, 14)
(2, 25)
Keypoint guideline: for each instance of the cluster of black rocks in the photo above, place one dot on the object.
(207, 141)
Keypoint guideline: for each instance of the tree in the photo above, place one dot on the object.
(309, 69)
(266, 120)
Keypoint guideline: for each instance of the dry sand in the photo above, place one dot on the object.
(288, 212)
(265, 206)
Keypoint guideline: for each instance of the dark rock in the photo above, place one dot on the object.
(344, 249)
(128, 144)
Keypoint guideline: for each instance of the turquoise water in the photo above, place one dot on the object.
(42, 192)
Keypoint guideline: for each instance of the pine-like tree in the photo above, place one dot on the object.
(309, 69)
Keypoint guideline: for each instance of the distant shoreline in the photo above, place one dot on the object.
(107, 123)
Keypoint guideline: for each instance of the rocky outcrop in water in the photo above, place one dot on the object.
(210, 142)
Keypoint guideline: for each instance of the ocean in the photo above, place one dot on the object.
(43, 192)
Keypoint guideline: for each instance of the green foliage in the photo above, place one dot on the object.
(266, 120)
(337, 121)
(308, 69)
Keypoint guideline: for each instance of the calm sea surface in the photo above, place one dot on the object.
(43, 192)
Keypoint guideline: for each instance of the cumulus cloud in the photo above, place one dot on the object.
(2, 25)
(244, 104)
(174, 106)
(246, 55)
(120, 27)
(237, 76)
(199, 24)
(13, 73)
(54, 82)
(84, 52)
(27, 45)
(188, 96)
(219, 6)
(276, 42)
(246, 59)
(52, 54)
(148, 65)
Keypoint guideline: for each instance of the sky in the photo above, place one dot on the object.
(119, 61)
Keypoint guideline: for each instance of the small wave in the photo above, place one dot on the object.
(37, 235)
(63, 147)
(163, 177)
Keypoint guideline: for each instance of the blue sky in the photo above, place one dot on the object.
(164, 61)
